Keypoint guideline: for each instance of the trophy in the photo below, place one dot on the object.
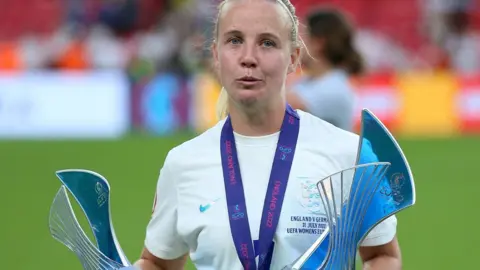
(92, 192)
(359, 198)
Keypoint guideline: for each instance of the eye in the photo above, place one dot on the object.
(234, 41)
(268, 43)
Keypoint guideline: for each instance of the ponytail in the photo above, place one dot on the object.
(331, 25)
(354, 63)
(222, 104)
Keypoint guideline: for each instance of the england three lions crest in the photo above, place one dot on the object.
(309, 196)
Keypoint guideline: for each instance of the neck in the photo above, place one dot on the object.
(257, 121)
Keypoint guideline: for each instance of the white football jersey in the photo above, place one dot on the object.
(191, 214)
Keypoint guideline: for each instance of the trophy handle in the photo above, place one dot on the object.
(65, 228)
(397, 190)
(92, 192)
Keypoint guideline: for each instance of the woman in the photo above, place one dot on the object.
(210, 203)
(326, 91)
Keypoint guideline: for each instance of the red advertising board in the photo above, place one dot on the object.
(468, 104)
(379, 94)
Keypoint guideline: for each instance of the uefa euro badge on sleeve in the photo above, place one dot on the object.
(359, 198)
(92, 192)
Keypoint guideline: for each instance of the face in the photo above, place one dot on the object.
(253, 52)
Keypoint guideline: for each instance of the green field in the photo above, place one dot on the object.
(439, 232)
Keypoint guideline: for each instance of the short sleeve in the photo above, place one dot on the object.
(162, 238)
(381, 234)
(385, 231)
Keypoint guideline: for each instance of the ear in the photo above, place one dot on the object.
(294, 60)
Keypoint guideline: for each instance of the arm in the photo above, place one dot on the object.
(148, 261)
(387, 256)
(164, 247)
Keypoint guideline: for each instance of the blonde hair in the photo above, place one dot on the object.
(222, 102)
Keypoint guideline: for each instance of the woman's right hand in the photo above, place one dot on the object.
(148, 261)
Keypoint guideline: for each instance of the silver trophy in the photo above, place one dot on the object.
(357, 199)
(92, 192)
(346, 197)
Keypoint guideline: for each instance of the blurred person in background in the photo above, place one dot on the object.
(120, 16)
(325, 90)
(461, 42)
(448, 25)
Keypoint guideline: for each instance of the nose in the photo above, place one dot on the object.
(248, 59)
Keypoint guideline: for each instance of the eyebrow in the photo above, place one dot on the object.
(262, 35)
(270, 36)
(233, 33)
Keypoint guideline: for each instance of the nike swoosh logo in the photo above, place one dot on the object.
(204, 208)
(207, 206)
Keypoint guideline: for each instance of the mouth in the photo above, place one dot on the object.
(248, 80)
